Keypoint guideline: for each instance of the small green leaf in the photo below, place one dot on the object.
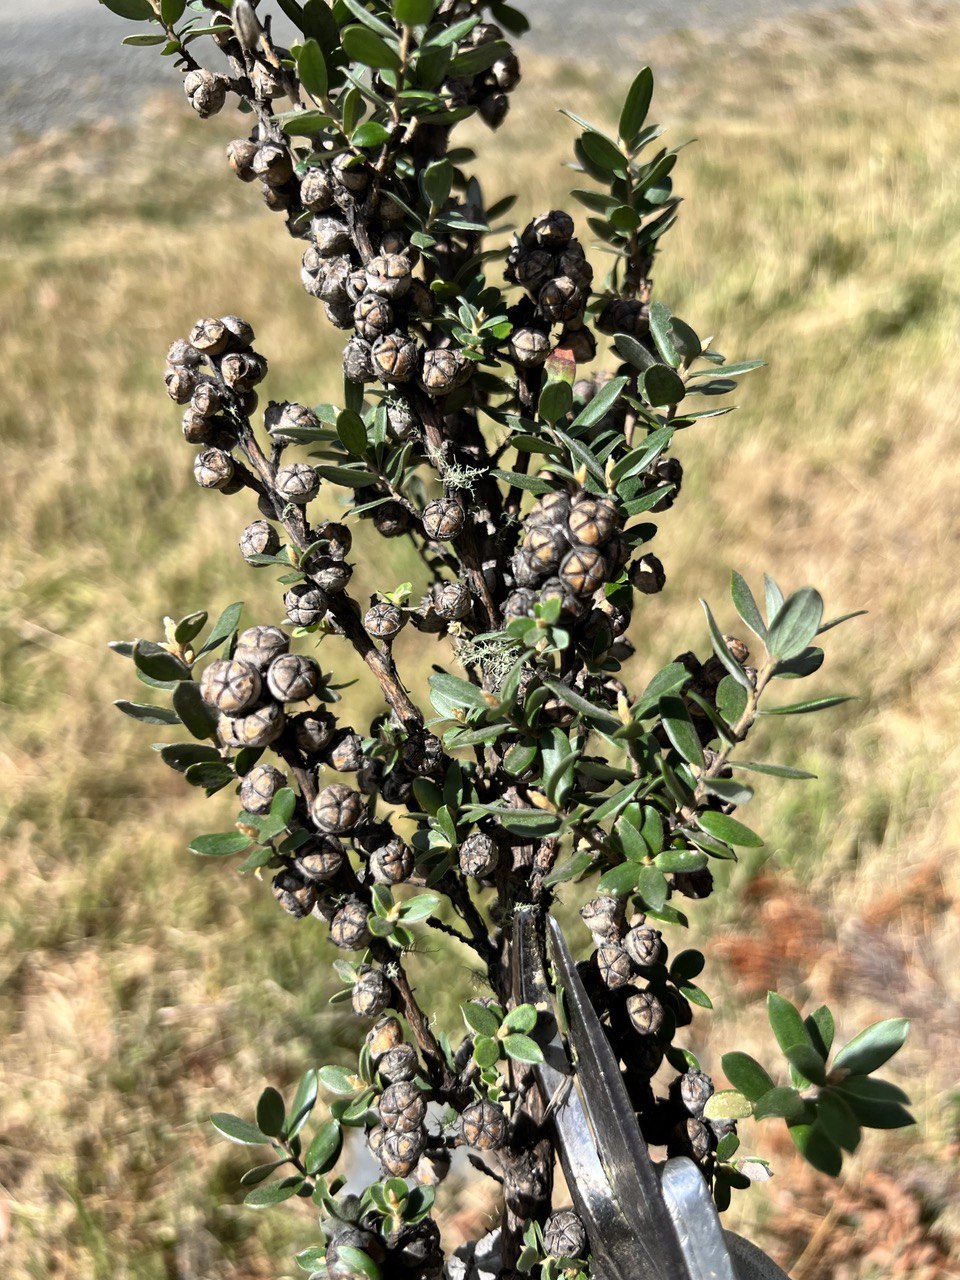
(370, 134)
(806, 708)
(636, 105)
(873, 1047)
(312, 69)
(365, 46)
(805, 1059)
(486, 1051)
(727, 1104)
(620, 880)
(522, 1018)
(146, 714)
(324, 1150)
(134, 10)
(356, 1262)
(660, 385)
(522, 1049)
(728, 829)
(271, 1112)
(222, 845)
(339, 1081)
(652, 887)
(193, 711)
(795, 624)
(679, 729)
(786, 1023)
(157, 663)
(413, 13)
(817, 1148)
(746, 1074)
(237, 1130)
(480, 1019)
(597, 408)
(746, 606)
(839, 1122)
(224, 627)
(782, 1104)
(273, 1193)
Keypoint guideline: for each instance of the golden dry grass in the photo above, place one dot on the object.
(141, 989)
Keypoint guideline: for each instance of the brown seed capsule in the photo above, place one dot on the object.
(560, 300)
(604, 916)
(345, 753)
(206, 399)
(330, 235)
(564, 1235)
(213, 469)
(383, 1036)
(348, 929)
(258, 728)
(530, 347)
(293, 677)
(272, 164)
(383, 620)
(544, 548)
(479, 856)
(572, 262)
(444, 370)
(584, 570)
(506, 72)
(358, 360)
(392, 863)
(399, 1063)
(337, 808)
(420, 302)
(452, 600)
(402, 1107)
(240, 153)
(313, 730)
(373, 317)
(329, 574)
(259, 787)
(351, 173)
(230, 686)
(306, 604)
(183, 352)
(205, 92)
(210, 336)
(372, 993)
(552, 230)
(493, 108)
(259, 539)
(391, 519)
(593, 520)
(531, 268)
(297, 896)
(443, 519)
(696, 1090)
(421, 753)
(321, 860)
(645, 1013)
(298, 483)
(260, 645)
(240, 330)
(389, 275)
(316, 190)
(399, 1152)
(519, 604)
(552, 509)
(375, 1139)
(644, 945)
(483, 1126)
(616, 968)
(394, 358)
(624, 315)
(557, 589)
(580, 343)
(242, 370)
(647, 575)
(180, 382)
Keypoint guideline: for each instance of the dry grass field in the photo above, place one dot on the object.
(143, 988)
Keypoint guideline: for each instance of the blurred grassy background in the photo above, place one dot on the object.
(143, 988)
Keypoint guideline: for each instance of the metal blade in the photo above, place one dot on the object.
(655, 1249)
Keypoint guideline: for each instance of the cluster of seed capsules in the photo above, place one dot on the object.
(628, 981)
(571, 547)
(551, 266)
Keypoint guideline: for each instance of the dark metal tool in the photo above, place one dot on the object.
(644, 1221)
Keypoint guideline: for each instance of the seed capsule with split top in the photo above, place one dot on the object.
(337, 808)
(180, 382)
(564, 1235)
(373, 317)
(348, 929)
(210, 336)
(328, 573)
(402, 1107)
(392, 863)
(321, 860)
(240, 153)
(260, 645)
(560, 300)
(391, 519)
(530, 347)
(452, 600)
(297, 896)
(358, 360)
(584, 570)
(394, 358)
(372, 993)
(644, 945)
(552, 230)
(229, 686)
(259, 539)
(443, 370)
(645, 1013)
(205, 92)
(483, 1126)
(443, 519)
(383, 620)
(272, 164)
(213, 469)
(345, 753)
(389, 275)
(257, 728)
(614, 964)
(399, 1064)
(259, 787)
(385, 1035)
(313, 730)
(479, 856)
(593, 520)
(604, 916)
(316, 190)
(647, 575)
(298, 483)
(293, 677)
(551, 510)
(544, 548)
(400, 1152)
(330, 235)
(306, 604)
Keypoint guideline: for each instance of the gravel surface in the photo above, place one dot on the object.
(61, 61)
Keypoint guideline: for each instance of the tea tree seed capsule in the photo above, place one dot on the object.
(443, 519)
(583, 570)
(530, 347)
(259, 787)
(337, 536)
(531, 268)
(210, 336)
(553, 230)
(321, 859)
(298, 483)
(483, 1126)
(383, 620)
(272, 164)
(544, 548)
(593, 520)
(259, 727)
(394, 358)
(391, 519)
(373, 317)
(213, 469)
(206, 399)
(329, 574)
(444, 370)
(260, 645)
(285, 419)
(240, 330)
(392, 863)
(479, 856)
(399, 1064)
(358, 360)
(696, 1090)
(205, 92)
(337, 809)
(331, 236)
(240, 154)
(580, 343)
(604, 916)
(614, 964)
(560, 300)
(643, 945)
(624, 315)
(372, 993)
(351, 174)
(452, 601)
(572, 262)
(384, 1035)
(316, 190)
(297, 896)
(400, 1152)
(349, 927)
(345, 753)
(306, 604)
(259, 539)
(519, 604)
(564, 1235)
(552, 510)
(647, 575)
(293, 677)
(402, 1107)
(313, 730)
(230, 686)
(389, 275)
(180, 382)
(645, 1013)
